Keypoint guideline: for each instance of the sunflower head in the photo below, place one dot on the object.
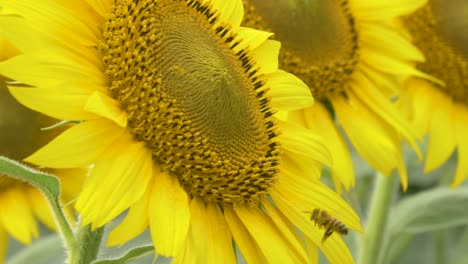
(320, 40)
(441, 110)
(204, 114)
(178, 104)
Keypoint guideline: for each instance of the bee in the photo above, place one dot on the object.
(325, 221)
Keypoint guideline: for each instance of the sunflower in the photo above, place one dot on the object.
(20, 203)
(350, 55)
(439, 29)
(177, 103)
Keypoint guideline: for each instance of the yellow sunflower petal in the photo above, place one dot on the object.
(244, 241)
(251, 38)
(364, 89)
(334, 248)
(135, 222)
(304, 143)
(312, 250)
(422, 95)
(266, 56)
(78, 146)
(102, 7)
(3, 244)
(125, 168)
(385, 9)
(105, 106)
(40, 208)
(230, 11)
(52, 18)
(442, 140)
(461, 128)
(71, 181)
(270, 241)
(187, 256)
(288, 92)
(309, 194)
(65, 105)
(318, 120)
(17, 218)
(287, 230)
(373, 35)
(394, 66)
(375, 141)
(209, 223)
(220, 236)
(169, 214)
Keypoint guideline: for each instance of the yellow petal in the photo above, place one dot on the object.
(334, 248)
(244, 241)
(79, 146)
(17, 218)
(208, 224)
(393, 65)
(270, 241)
(310, 194)
(461, 128)
(320, 122)
(251, 38)
(266, 56)
(102, 7)
(105, 106)
(71, 181)
(187, 256)
(230, 11)
(3, 244)
(375, 140)
(65, 105)
(373, 35)
(125, 168)
(289, 232)
(312, 250)
(442, 140)
(40, 208)
(134, 223)
(220, 238)
(422, 94)
(384, 9)
(304, 143)
(364, 89)
(52, 18)
(288, 92)
(169, 214)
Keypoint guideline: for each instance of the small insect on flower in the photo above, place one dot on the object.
(326, 221)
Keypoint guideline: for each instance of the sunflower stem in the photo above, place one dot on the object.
(89, 243)
(66, 231)
(381, 201)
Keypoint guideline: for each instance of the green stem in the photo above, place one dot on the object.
(69, 238)
(439, 247)
(90, 242)
(381, 202)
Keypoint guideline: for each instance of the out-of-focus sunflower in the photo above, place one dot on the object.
(440, 30)
(20, 203)
(350, 55)
(178, 102)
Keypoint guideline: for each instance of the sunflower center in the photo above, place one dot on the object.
(439, 30)
(319, 40)
(196, 102)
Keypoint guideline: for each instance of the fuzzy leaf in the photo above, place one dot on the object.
(47, 184)
(430, 210)
(132, 254)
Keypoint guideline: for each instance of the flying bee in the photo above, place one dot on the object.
(325, 221)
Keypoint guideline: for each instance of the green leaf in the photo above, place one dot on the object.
(130, 255)
(48, 184)
(426, 211)
(47, 250)
(430, 210)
